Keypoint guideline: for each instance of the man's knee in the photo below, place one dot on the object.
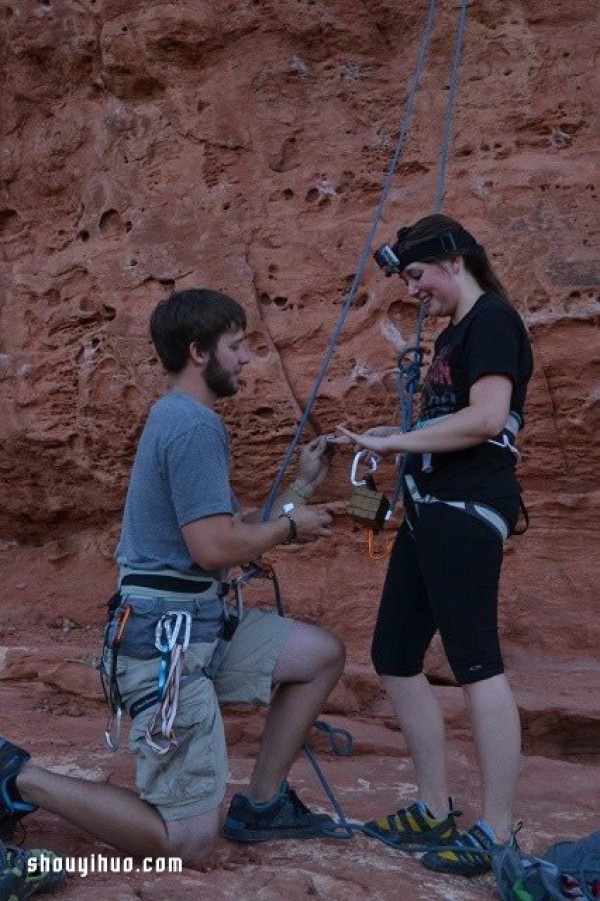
(193, 839)
(331, 651)
(309, 651)
(338, 649)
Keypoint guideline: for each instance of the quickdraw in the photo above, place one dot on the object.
(172, 639)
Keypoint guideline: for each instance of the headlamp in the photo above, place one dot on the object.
(387, 260)
(393, 260)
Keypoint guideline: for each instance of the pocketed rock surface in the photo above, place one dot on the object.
(244, 146)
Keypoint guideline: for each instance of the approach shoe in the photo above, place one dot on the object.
(27, 872)
(471, 854)
(415, 825)
(12, 805)
(284, 816)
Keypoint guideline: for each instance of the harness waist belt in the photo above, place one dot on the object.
(168, 583)
(480, 511)
(504, 439)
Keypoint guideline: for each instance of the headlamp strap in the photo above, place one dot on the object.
(452, 241)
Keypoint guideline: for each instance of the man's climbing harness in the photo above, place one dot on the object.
(158, 616)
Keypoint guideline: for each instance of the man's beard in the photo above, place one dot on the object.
(221, 383)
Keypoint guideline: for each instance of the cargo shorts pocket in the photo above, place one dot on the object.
(190, 777)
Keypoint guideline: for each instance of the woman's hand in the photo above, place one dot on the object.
(379, 444)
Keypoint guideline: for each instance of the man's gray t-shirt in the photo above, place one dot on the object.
(180, 474)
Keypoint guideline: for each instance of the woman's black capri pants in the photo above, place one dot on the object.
(443, 576)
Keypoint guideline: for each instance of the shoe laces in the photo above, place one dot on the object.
(292, 798)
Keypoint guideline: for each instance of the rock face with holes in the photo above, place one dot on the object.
(244, 146)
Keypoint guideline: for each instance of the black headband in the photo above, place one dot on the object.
(451, 241)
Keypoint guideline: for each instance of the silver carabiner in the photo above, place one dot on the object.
(163, 635)
(185, 617)
(371, 462)
(167, 631)
(113, 727)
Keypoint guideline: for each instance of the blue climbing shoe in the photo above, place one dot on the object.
(12, 805)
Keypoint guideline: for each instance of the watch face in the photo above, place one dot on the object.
(287, 508)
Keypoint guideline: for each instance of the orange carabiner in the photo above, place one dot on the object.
(122, 623)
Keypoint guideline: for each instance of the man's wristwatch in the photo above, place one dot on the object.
(293, 530)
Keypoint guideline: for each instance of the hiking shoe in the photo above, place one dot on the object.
(471, 855)
(284, 816)
(415, 825)
(12, 805)
(24, 873)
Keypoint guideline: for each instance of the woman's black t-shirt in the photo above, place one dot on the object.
(490, 340)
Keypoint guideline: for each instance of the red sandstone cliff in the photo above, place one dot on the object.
(244, 146)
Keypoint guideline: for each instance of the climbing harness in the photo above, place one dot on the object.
(158, 615)
(480, 511)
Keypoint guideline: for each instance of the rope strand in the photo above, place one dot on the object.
(364, 257)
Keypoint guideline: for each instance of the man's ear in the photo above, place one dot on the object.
(198, 356)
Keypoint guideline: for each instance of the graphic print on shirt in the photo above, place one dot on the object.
(438, 397)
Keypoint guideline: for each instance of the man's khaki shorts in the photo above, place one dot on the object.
(190, 779)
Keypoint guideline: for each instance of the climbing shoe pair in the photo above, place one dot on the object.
(415, 828)
(283, 817)
(12, 805)
(24, 873)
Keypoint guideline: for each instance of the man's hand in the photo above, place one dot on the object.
(312, 523)
(314, 464)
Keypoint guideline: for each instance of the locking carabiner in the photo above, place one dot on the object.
(372, 462)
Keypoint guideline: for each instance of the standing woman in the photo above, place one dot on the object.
(461, 501)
